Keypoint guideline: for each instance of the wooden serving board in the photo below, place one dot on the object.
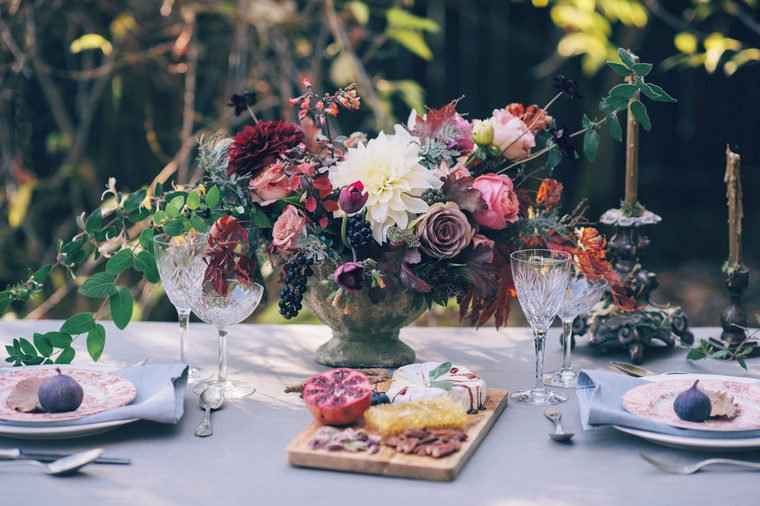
(388, 462)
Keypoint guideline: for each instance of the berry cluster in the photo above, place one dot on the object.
(358, 231)
(379, 398)
(297, 272)
(432, 196)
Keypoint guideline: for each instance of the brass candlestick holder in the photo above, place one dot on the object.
(734, 318)
(612, 327)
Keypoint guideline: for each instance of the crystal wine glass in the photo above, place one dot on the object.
(540, 277)
(223, 311)
(581, 295)
(180, 265)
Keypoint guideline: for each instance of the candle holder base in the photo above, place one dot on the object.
(734, 318)
(612, 327)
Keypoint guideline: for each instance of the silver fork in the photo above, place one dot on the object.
(670, 467)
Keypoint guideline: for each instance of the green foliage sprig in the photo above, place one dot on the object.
(705, 350)
(118, 238)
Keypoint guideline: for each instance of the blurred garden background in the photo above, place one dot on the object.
(93, 89)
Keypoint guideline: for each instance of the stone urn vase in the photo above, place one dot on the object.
(365, 333)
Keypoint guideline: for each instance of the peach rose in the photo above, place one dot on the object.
(499, 194)
(290, 225)
(269, 185)
(511, 135)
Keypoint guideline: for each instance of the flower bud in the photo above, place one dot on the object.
(482, 132)
(352, 198)
(350, 277)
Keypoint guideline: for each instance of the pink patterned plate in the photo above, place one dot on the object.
(102, 391)
(655, 401)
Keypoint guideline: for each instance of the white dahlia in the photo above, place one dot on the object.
(388, 167)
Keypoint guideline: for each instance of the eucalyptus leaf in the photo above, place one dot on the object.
(212, 196)
(626, 91)
(96, 341)
(42, 343)
(94, 220)
(121, 306)
(657, 94)
(627, 58)
(146, 263)
(193, 200)
(620, 68)
(639, 110)
(440, 370)
(590, 144)
(27, 348)
(66, 356)
(642, 69)
(99, 284)
(612, 104)
(59, 339)
(78, 324)
(613, 124)
(146, 239)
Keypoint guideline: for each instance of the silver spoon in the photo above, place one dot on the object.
(66, 465)
(559, 434)
(211, 398)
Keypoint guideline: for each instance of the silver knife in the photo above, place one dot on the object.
(18, 454)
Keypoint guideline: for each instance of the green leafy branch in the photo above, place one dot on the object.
(121, 237)
(705, 350)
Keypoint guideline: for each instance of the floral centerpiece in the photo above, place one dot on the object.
(368, 231)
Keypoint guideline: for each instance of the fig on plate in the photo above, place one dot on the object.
(693, 405)
(338, 397)
(60, 393)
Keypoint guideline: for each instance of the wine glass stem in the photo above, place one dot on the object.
(539, 338)
(567, 343)
(222, 376)
(184, 319)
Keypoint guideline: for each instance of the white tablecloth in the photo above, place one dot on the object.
(245, 461)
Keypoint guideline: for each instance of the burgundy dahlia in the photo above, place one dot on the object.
(260, 145)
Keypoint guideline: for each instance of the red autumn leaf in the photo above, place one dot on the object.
(463, 194)
(436, 120)
(311, 203)
(330, 206)
(398, 259)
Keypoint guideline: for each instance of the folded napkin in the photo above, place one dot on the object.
(160, 397)
(599, 396)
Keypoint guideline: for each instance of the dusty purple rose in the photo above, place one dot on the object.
(444, 230)
(352, 198)
(350, 277)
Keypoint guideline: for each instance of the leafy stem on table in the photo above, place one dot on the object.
(705, 350)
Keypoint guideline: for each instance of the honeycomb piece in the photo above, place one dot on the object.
(438, 413)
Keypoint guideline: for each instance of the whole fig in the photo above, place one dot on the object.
(693, 405)
(60, 393)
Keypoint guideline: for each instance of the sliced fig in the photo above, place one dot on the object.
(338, 397)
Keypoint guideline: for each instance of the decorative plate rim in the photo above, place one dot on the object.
(643, 400)
(104, 391)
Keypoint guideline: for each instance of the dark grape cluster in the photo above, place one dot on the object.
(297, 272)
(379, 398)
(358, 231)
(432, 196)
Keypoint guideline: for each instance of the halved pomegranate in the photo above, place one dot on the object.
(338, 397)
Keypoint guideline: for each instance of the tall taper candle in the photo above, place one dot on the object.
(735, 209)
(632, 157)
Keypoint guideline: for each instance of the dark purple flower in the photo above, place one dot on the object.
(350, 277)
(567, 87)
(352, 198)
(241, 101)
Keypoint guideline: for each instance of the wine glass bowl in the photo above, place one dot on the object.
(180, 264)
(223, 311)
(540, 277)
(580, 297)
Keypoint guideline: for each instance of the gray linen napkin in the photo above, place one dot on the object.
(160, 397)
(599, 394)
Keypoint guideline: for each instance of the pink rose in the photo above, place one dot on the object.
(269, 185)
(511, 135)
(498, 192)
(287, 229)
